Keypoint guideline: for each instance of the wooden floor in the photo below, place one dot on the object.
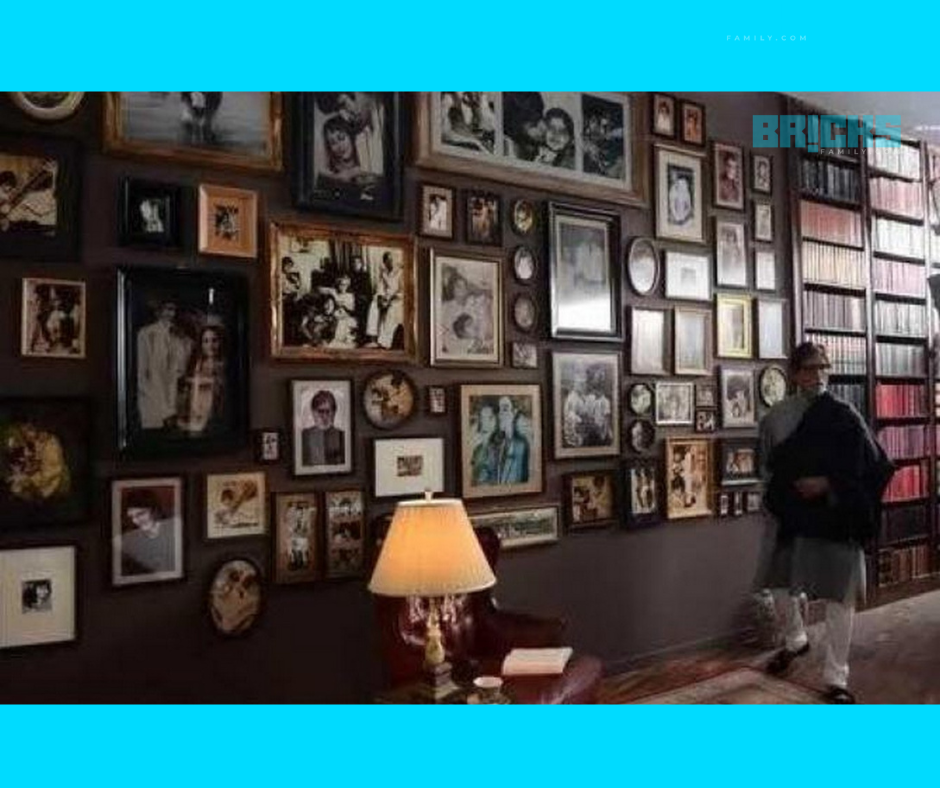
(895, 658)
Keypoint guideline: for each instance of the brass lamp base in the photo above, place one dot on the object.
(437, 685)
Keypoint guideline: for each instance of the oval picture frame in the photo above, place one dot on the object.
(524, 265)
(643, 269)
(522, 216)
(641, 435)
(640, 398)
(525, 313)
(235, 597)
(389, 399)
(63, 108)
(772, 385)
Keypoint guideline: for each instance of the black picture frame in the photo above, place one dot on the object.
(692, 133)
(215, 420)
(356, 192)
(584, 496)
(635, 512)
(31, 165)
(758, 183)
(480, 229)
(738, 462)
(265, 439)
(167, 198)
(389, 399)
(663, 123)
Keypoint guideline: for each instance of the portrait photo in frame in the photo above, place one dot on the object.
(688, 276)
(389, 399)
(771, 328)
(674, 403)
(730, 254)
(763, 221)
(688, 480)
(345, 530)
(150, 214)
(733, 318)
(664, 116)
(680, 213)
(586, 404)
(648, 341)
(522, 217)
(524, 265)
(706, 394)
(525, 313)
(436, 398)
(52, 318)
(765, 269)
(762, 168)
(521, 527)
(268, 446)
(641, 436)
(591, 499)
(321, 426)
(706, 420)
(437, 211)
(484, 218)
(228, 221)
(692, 341)
(728, 167)
(641, 499)
(640, 399)
(692, 118)
(738, 405)
(296, 528)
(407, 466)
(38, 589)
(236, 505)
(642, 266)
(235, 598)
(772, 385)
(738, 462)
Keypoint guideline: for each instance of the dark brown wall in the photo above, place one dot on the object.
(626, 594)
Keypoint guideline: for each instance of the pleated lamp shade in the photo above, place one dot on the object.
(431, 550)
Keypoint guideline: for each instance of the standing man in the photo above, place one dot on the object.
(163, 353)
(825, 475)
(323, 444)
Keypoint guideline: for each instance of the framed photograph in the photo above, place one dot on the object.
(752, 502)
(347, 153)
(389, 399)
(45, 457)
(522, 217)
(437, 211)
(580, 143)
(772, 385)
(40, 185)
(738, 503)
(739, 462)
(150, 214)
(47, 105)
(52, 318)
(640, 398)
(730, 254)
(738, 408)
(692, 341)
(268, 446)
(235, 597)
(466, 311)
(706, 421)
(147, 530)
(728, 164)
(763, 221)
(345, 533)
(586, 404)
(584, 277)
(771, 328)
(642, 492)
(182, 362)
(525, 313)
(524, 265)
(765, 270)
(525, 355)
(341, 295)
(689, 485)
(500, 439)
(642, 266)
(235, 505)
(223, 129)
(664, 116)
(706, 395)
(674, 403)
(733, 316)
(408, 466)
(484, 218)
(642, 436)
(679, 208)
(724, 504)
(296, 557)
(322, 426)
(762, 173)
(228, 221)
(437, 400)
(521, 527)
(647, 341)
(591, 500)
(38, 593)
(688, 276)
(693, 123)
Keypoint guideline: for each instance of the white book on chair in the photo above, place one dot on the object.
(536, 661)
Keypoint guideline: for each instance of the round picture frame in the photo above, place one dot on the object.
(641, 435)
(640, 398)
(643, 272)
(525, 313)
(48, 105)
(235, 597)
(522, 216)
(524, 265)
(772, 385)
(389, 399)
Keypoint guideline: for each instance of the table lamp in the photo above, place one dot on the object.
(431, 551)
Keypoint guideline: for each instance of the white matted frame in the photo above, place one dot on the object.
(688, 276)
(37, 596)
(680, 213)
(317, 450)
(647, 341)
(407, 466)
(771, 328)
(692, 341)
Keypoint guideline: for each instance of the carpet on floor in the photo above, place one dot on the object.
(737, 687)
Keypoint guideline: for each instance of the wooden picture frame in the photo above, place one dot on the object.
(525, 313)
(150, 214)
(642, 492)
(674, 403)
(692, 117)
(322, 426)
(389, 399)
(521, 527)
(53, 322)
(706, 421)
(692, 341)
(591, 500)
(663, 116)
(728, 169)
(235, 596)
(295, 552)
(235, 505)
(228, 221)
(733, 320)
(40, 585)
(586, 404)
(437, 211)
(739, 462)
(345, 533)
(407, 466)
(483, 215)
(680, 212)
(688, 479)
(706, 394)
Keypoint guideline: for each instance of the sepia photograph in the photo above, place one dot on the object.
(344, 512)
(236, 596)
(641, 497)
(407, 466)
(484, 216)
(688, 276)
(521, 527)
(692, 119)
(235, 505)
(728, 164)
(592, 499)
(522, 217)
(679, 209)
(52, 318)
(730, 254)
(321, 426)
(389, 399)
(674, 403)
(692, 341)
(738, 462)
(733, 317)
(437, 211)
(147, 530)
(586, 404)
(738, 408)
(647, 341)
(296, 556)
(228, 221)
(664, 116)
(38, 586)
(150, 214)
(689, 486)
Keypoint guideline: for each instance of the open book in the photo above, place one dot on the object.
(536, 661)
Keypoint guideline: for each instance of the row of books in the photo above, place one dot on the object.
(904, 522)
(905, 442)
(898, 565)
(899, 319)
(847, 355)
(829, 310)
(900, 360)
(903, 160)
(823, 179)
(835, 265)
(890, 276)
(909, 482)
(892, 237)
(893, 400)
(904, 197)
(853, 393)
(827, 223)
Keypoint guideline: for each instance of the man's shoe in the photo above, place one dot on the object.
(780, 662)
(838, 695)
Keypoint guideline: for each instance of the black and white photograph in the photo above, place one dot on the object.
(733, 317)
(268, 447)
(228, 221)
(586, 404)
(674, 403)
(738, 408)
(679, 209)
(182, 380)
(484, 217)
(738, 462)
(640, 399)
(706, 394)
(146, 530)
(771, 328)
(466, 120)
(389, 399)
(647, 341)
(664, 116)
(436, 397)
(728, 163)
(525, 355)
(692, 120)
(524, 265)
(340, 295)
(48, 105)
(765, 270)
(521, 527)
(52, 318)
(730, 254)
(738, 503)
(752, 502)
(706, 420)
(724, 504)
(763, 221)
(525, 313)
(772, 385)
(345, 533)
(641, 499)
(692, 341)
(321, 426)
(150, 214)
(641, 436)
(466, 310)
(347, 153)
(761, 173)
(296, 550)
(38, 586)
(591, 499)
(201, 127)
(437, 211)
(688, 276)
(522, 217)
(407, 466)
(642, 266)
(36, 596)
(235, 505)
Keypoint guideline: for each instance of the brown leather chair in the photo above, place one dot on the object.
(477, 636)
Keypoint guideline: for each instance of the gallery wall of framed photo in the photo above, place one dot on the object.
(269, 318)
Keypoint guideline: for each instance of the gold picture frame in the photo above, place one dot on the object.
(733, 320)
(689, 478)
(228, 221)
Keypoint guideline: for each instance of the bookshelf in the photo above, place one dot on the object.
(862, 250)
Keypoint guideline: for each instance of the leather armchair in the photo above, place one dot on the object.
(477, 636)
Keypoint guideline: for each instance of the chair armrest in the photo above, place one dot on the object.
(500, 631)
